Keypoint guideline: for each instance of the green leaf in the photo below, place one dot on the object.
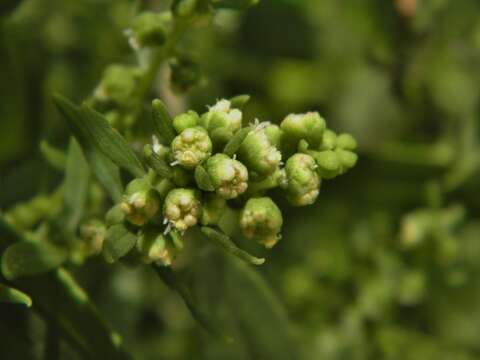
(234, 144)
(87, 124)
(55, 157)
(162, 121)
(11, 295)
(203, 179)
(239, 101)
(27, 258)
(169, 278)
(77, 176)
(228, 245)
(61, 298)
(118, 242)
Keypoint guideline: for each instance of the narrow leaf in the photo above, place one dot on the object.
(203, 179)
(27, 258)
(11, 295)
(55, 157)
(162, 121)
(228, 245)
(239, 101)
(76, 185)
(234, 144)
(118, 242)
(169, 278)
(87, 125)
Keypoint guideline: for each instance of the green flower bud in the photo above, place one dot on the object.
(329, 140)
(155, 248)
(182, 208)
(303, 182)
(213, 209)
(186, 120)
(309, 126)
(141, 202)
(228, 176)
(93, 233)
(348, 159)
(346, 142)
(189, 8)
(329, 165)
(261, 220)
(274, 135)
(191, 147)
(221, 121)
(118, 84)
(148, 29)
(260, 156)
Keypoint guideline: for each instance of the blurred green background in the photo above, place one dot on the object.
(384, 266)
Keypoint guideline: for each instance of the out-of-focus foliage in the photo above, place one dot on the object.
(383, 266)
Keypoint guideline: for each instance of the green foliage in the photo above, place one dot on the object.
(382, 264)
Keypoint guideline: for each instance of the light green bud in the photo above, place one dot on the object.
(148, 29)
(221, 122)
(261, 220)
(185, 121)
(309, 126)
(118, 84)
(346, 142)
(115, 215)
(182, 208)
(154, 247)
(141, 202)
(348, 159)
(274, 134)
(303, 182)
(260, 156)
(228, 176)
(213, 209)
(329, 140)
(191, 147)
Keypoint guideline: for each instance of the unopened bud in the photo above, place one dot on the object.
(303, 182)
(346, 142)
(118, 84)
(260, 156)
(261, 220)
(186, 120)
(155, 248)
(148, 29)
(228, 176)
(182, 208)
(141, 202)
(221, 121)
(191, 147)
(309, 126)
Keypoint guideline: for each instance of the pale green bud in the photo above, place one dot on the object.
(309, 126)
(328, 162)
(155, 248)
(329, 140)
(348, 159)
(261, 220)
(228, 176)
(213, 209)
(118, 84)
(303, 182)
(221, 122)
(182, 208)
(260, 156)
(191, 147)
(185, 121)
(115, 215)
(274, 134)
(148, 29)
(141, 202)
(346, 142)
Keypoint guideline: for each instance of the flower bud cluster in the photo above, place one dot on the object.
(212, 163)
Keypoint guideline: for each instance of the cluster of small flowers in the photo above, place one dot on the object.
(207, 162)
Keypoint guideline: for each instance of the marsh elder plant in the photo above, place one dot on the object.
(139, 198)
